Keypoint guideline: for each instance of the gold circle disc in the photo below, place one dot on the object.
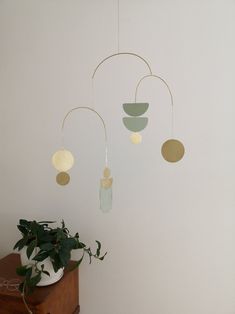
(63, 160)
(172, 150)
(107, 172)
(106, 183)
(136, 138)
(62, 178)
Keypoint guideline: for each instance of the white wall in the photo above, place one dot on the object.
(170, 237)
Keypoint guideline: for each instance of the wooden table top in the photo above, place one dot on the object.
(8, 271)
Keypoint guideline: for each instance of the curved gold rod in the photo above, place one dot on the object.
(101, 119)
(118, 54)
(171, 96)
(158, 77)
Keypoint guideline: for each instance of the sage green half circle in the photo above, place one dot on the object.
(135, 109)
(135, 124)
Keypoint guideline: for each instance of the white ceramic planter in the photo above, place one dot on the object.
(46, 280)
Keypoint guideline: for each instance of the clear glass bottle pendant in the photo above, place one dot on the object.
(105, 199)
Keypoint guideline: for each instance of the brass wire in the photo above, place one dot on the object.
(169, 90)
(121, 54)
(101, 119)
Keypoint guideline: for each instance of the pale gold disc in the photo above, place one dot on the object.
(172, 150)
(63, 160)
(62, 178)
(106, 183)
(136, 138)
(107, 172)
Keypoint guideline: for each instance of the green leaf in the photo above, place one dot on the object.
(79, 245)
(24, 222)
(35, 280)
(34, 226)
(45, 237)
(22, 229)
(56, 263)
(47, 222)
(21, 243)
(30, 248)
(77, 263)
(47, 246)
(102, 257)
(52, 254)
(98, 248)
(60, 235)
(64, 256)
(41, 256)
(21, 270)
(68, 244)
(46, 273)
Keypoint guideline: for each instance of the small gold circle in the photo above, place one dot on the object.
(172, 150)
(106, 183)
(107, 172)
(136, 138)
(62, 178)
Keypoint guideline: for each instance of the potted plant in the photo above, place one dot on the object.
(45, 252)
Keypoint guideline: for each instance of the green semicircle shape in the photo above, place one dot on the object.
(135, 124)
(135, 109)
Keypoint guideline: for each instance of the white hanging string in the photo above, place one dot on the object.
(92, 94)
(118, 26)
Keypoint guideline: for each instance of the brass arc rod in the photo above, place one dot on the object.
(158, 77)
(101, 119)
(121, 54)
(169, 90)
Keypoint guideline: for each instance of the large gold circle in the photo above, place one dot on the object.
(62, 178)
(172, 150)
(63, 160)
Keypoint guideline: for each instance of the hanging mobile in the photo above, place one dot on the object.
(63, 161)
(134, 122)
(172, 149)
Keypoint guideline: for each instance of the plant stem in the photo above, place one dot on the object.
(23, 297)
